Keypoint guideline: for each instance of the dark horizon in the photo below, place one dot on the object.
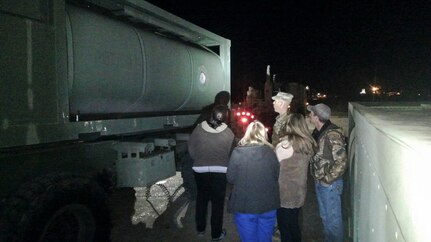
(336, 47)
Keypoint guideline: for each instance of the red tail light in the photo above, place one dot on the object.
(244, 117)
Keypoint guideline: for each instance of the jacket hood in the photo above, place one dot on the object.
(208, 129)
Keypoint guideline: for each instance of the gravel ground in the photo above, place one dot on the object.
(172, 225)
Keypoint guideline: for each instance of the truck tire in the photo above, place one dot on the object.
(57, 207)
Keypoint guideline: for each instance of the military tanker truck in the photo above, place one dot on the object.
(93, 94)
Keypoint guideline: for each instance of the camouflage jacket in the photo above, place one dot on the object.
(329, 162)
(279, 129)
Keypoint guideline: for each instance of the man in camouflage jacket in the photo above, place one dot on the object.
(281, 106)
(327, 167)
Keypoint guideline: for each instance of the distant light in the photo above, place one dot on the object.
(375, 89)
(363, 92)
(419, 94)
(393, 93)
(252, 117)
(238, 114)
(266, 129)
(307, 88)
(320, 95)
(244, 120)
(247, 114)
(243, 113)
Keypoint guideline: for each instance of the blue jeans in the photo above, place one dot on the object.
(255, 227)
(329, 199)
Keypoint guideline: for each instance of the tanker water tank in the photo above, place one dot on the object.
(117, 69)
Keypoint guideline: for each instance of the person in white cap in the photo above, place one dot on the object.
(327, 167)
(281, 106)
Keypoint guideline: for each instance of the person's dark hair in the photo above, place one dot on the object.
(222, 97)
(218, 116)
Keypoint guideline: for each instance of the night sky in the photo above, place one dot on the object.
(337, 47)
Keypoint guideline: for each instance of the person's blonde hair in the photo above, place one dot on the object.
(299, 135)
(255, 134)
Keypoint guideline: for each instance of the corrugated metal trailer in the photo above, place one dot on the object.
(390, 150)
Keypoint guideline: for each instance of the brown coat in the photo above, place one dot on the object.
(293, 180)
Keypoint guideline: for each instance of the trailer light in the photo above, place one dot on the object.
(244, 117)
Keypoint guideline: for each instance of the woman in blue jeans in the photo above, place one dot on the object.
(253, 170)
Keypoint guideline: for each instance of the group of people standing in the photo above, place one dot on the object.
(269, 178)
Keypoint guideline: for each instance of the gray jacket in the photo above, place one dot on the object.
(210, 148)
(253, 170)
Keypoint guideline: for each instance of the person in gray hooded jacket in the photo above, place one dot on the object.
(209, 146)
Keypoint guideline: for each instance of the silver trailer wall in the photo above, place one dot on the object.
(390, 164)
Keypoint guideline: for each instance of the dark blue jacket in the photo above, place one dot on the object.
(253, 170)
